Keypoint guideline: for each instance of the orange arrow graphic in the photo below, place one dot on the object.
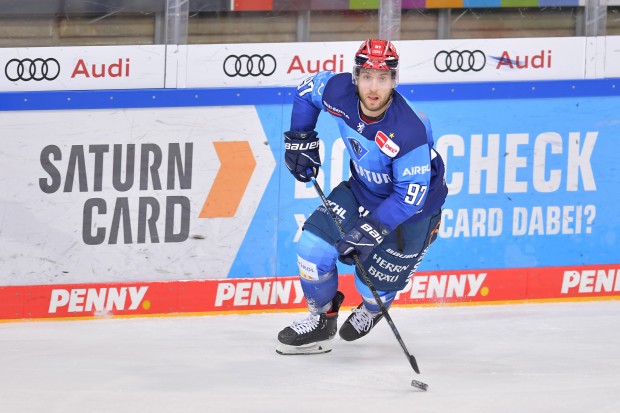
(237, 166)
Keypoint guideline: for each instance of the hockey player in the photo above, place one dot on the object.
(391, 205)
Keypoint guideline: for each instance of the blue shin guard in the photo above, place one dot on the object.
(316, 259)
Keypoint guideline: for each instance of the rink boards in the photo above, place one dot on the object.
(176, 200)
(195, 297)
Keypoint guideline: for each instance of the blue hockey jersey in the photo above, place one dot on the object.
(395, 172)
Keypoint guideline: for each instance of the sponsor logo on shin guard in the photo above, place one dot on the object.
(307, 269)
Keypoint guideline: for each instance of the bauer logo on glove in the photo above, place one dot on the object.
(302, 154)
(301, 146)
(362, 239)
(371, 232)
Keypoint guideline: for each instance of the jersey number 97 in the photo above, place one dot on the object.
(305, 86)
(415, 193)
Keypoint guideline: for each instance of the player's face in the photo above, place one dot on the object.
(375, 90)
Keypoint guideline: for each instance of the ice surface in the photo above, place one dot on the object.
(561, 357)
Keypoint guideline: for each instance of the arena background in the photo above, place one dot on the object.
(141, 156)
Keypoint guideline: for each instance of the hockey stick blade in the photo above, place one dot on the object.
(414, 363)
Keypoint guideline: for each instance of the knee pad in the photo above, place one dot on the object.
(318, 274)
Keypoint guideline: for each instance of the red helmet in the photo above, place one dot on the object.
(378, 55)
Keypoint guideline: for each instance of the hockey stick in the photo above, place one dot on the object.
(368, 282)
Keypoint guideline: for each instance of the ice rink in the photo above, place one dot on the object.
(559, 357)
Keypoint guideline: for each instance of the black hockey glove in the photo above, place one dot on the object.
(302, 154)
(361, 240)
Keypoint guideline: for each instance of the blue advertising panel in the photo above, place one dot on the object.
(531, 169)
(533, 182)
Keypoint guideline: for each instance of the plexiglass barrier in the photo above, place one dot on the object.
(31, 23)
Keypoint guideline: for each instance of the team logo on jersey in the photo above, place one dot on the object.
(387, 145)
(360, 127)
(358, 149)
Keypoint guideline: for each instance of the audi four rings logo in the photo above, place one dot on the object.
(32, 69)
(250, 65)
(463, 61)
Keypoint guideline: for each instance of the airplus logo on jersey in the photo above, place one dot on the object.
(154, 174)
(416, 170)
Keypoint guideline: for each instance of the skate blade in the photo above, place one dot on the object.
(312, 348)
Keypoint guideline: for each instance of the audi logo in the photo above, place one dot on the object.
(464, 61)
(246, 65)
(32, 69)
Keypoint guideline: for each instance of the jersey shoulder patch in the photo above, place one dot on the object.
(387, 145)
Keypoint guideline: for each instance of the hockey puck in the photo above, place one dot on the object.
(419, 385)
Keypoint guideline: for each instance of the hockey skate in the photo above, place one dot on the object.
(359, 323)
(312, 334)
